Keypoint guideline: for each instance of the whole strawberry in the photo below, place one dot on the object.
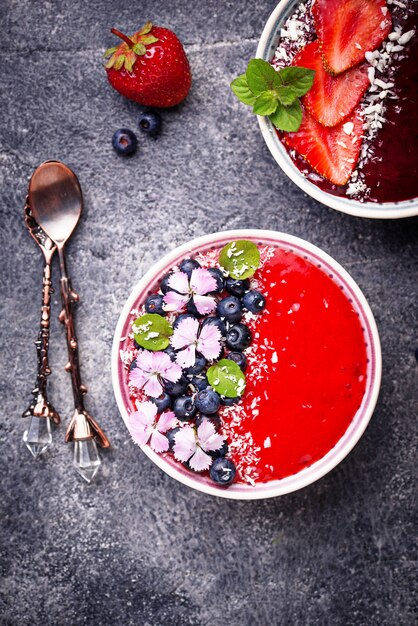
(150, 67)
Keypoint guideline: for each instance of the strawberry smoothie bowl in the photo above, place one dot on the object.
(246, 364)
(353, 147)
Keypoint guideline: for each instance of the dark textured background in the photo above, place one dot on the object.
(137, 548)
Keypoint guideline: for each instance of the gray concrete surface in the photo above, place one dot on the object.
(137, 548)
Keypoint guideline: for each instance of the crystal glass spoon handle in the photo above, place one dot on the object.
(38, 435)
(82, 425)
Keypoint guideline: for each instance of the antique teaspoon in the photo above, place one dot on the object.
(56, 201)
(38, 435)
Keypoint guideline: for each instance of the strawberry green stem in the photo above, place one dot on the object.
(122, 36)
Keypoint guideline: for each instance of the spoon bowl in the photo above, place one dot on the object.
(56, 200)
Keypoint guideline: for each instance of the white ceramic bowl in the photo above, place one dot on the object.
(361, 418)
(387, 210)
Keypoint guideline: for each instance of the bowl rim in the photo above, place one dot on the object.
(385, 210)
(355, 430)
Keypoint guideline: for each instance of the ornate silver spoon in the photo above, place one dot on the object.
(55, 199)
(38, 435)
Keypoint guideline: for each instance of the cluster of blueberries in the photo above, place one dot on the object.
(191, 398)
(124, 140)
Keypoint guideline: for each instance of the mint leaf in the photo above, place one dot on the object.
(152, 331)
(287, 118)
(299, 79)
(227, 378)
(240, 88)
(261, 76)
(266, 103)
(240, 259)
(286, 95)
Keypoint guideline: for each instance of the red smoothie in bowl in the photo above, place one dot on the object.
(304, 383)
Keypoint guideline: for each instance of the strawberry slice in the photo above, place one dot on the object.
(348, 28)
(331, 99)
(332, 152)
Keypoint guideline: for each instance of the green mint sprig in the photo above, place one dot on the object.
(274, 93)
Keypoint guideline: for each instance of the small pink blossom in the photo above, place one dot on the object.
(192, 445)
(192, 337)
(144, 426)
(151, 369)
(201, 283)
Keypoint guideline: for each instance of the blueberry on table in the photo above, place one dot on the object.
(237, 287)
(207, 401)
(216, 321)
(238, 337)
(230, 309)
(154, 304)
(162, 403)
(170, 434)
(150, 122)
(188, 265)
(124, 141)
(176, 389)
(199, 365)
(219, 277)
(254, 301)
(184, 408)
(222, 471)
(239, 358)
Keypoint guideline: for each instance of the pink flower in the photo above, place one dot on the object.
(192, 337)
(151, 369)
(201, 282)
(143, 425)
(192, 445)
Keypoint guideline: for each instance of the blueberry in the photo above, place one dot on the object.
(150, 122)
(215, 454)
(219, 277)
(254, 301)
(207, 401)
(164, 286)
(124, 141)
(188, 265)
(238, 337)
(239, 358)
(182, 316)
(132, 365)
(170, 434)
(171, 353)
(154, 304)
(222, 471)
(199, 382)
(184, 408)
(230, 309)
(176, 389)
(214, 419)
(216, 321)
(199, 365)
(230, 401)
(192, 310)
(162, 403)
(237, 287)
